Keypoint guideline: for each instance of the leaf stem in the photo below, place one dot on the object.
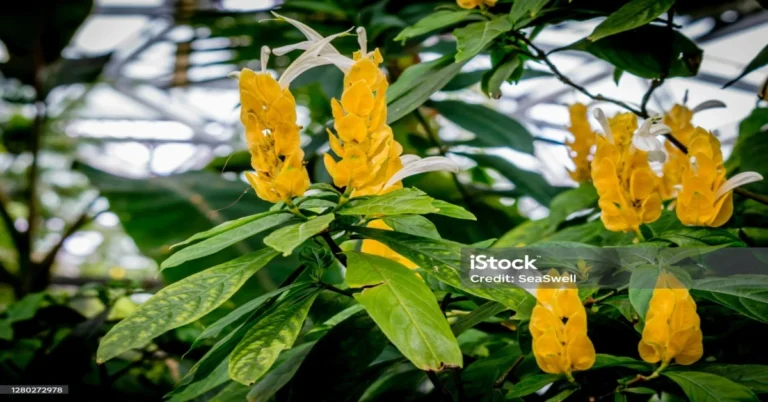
(335, 249)
(440, 386)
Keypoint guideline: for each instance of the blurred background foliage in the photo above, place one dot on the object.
(119, 137)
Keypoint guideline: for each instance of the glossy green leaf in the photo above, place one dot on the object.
(631, 15)
(702, 237)
(242, 311)
(604, 361)
(216, 378)
(562, 395)
(454, 211)
(491, 128)
(417, 84)
(747, 294)
(181, 303)
(442, 260)
(641, 285)
(752, 376)
(524, 11)
(282, 371)
(760, 60)
(706, 387)
(438, 19)
(526, 182)
(288, 238)
(405, 309)
(638, 52)
(473, 38)
(272, 334)
(531, 383)
(223, 227)
(227, 237)
(480, 378)
(234, 391)
(416, 225)
(399, 202)
(464, 80)
(476, 316)
(499, 75)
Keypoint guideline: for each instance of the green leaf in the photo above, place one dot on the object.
(25, 308)
(747, 294)
(604, 360)
(464, 80)
(453, 211)
(527, 233)
(752, 376)
(476, 316)
(705, 387)
(226, 238)
(438, 19)
(339, 361)
(760, 60)
(491, 128)
(6, 330)
(480, 377)
(572, 201)
(638, 52)
(416, 225)
(282, 371)
(531, 383)
(399, 202)
(223, 227)
(242, 311)
(631, 15)
(405, 309)
(641, 285)
(217, 377)
(234, 391)
(617, 73)
(417, 84)
(701, 237)
(272, 334)
(181, 303)
(473, 38)
(442, 259)
(288, 238)
(499, 75)
(562, 395)
(526, 182)
(523, 11)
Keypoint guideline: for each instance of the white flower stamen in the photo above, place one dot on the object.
(600, 116)
(738, 181)
(362, 40)
(413, 165)
(264, 58)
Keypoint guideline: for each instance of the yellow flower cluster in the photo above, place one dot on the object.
(678, 119)
(700, 202)
(369, 154)
(583, 141)
(628, 188)
(672, 328)
(470, 4)
(559, 329)
(269, 115)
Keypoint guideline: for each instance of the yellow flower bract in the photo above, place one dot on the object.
(678, 119)
(583, 140)
(703, 175)
(269, 115)
(672, 326)
(559, 329)
(368, 151)
(628, 188)
(470, 4)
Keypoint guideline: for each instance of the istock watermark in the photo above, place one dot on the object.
(499, 270)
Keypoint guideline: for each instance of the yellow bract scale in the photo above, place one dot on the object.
(269, 115)
(628, 188)
(678, 119)
(672, 326)
(581, 145)
(702, 176)
(470, 4)
(559, 330)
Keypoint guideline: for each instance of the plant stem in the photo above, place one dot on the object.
(335, 249)
(440, 386)
(337, 290)
(639, 234)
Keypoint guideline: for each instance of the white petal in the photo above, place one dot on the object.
(235, 75)
(308, 32)
(647, 143)
(710, 104)
(738, 181)
(264, 58)
(407, 159)
(600, 116)
(362, 40)
(282, 50)
(660, 129)
(657, 156)
(344, 63)
(307, 60)
(430, 164)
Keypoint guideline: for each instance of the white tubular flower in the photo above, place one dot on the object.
(413, 165)
(738, 181)
(645, 138)
(603, 120)
(309, 59)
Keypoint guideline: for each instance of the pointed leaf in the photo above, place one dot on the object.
(405, 310)
(438, 19)
(416, 225)
(272, 334)
(747, 294)
(631, 15)
(282, 371)
(760, 60)
(705, 387)
(221, 228)
(491, 128)
(454, 211)
(399, 202)
(288, 238)
(473, 38)
(181, 303)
